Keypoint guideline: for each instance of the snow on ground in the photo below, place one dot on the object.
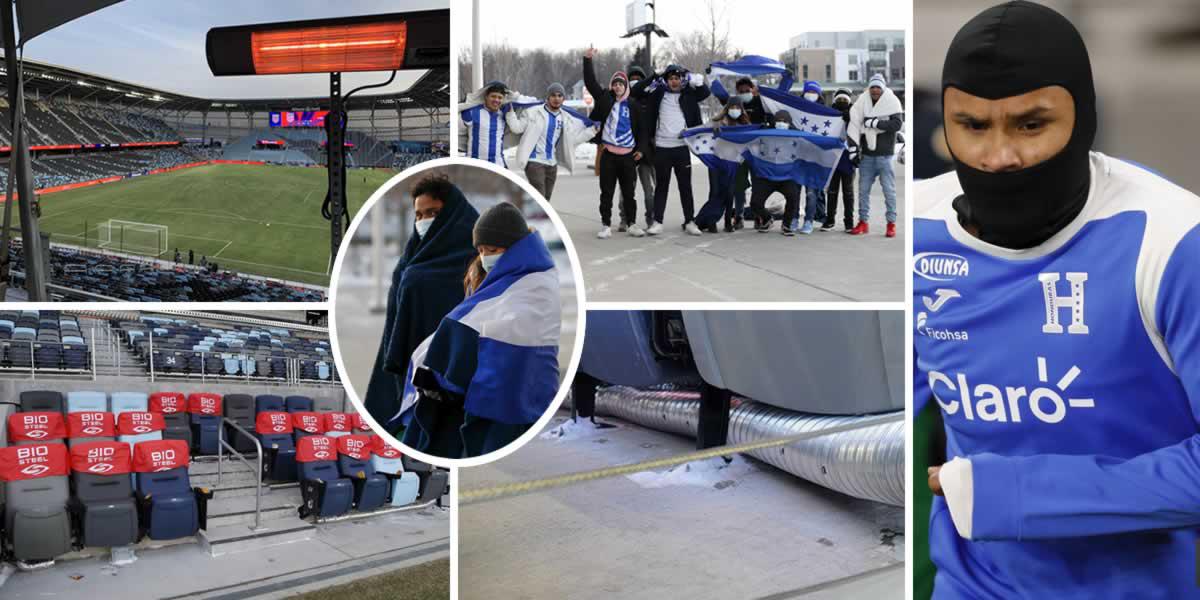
(714, 473)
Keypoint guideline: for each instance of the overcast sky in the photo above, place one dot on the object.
(756, 26)
(160, 43)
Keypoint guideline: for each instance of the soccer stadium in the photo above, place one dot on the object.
(146, 194)
(196, 454)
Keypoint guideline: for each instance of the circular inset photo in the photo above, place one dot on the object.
(456, 297)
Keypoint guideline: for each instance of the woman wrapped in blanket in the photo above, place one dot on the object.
(490, 369)
(720, 182)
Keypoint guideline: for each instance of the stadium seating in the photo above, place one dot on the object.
(274, 431)
(268, 403)
(239, 408)
(37, 523)
(33, 428)
(173, 407)
(6, 410)
(432, 480)
(169, 506)
(205, 410)
(299, 404)
(386, 461)
(305, 424)
(86, 427)
(129, 401)
(327, 405)
(41, 401)
(354, 461)
(87, 402)
(104, 505)
(324, 491)
(337, 424)
(137, 427)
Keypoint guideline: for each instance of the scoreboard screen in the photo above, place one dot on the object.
(307, 118)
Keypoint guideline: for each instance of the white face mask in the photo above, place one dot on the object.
(735, 113)
(489, 260)
(746, 97)
(781, 124)
(423, 226)
(811, 96)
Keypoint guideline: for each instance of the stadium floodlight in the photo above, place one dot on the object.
(386, 42)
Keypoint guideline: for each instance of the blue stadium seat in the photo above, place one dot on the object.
(370, 488)
(268, 403)
(324, 491)
(299, 404)
(386, 461)
(86, 401)
(232, 366)
(274, 431)
(170, 507)
(130, 401)
(205, 410)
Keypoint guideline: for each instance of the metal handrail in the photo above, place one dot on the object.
(222, 444)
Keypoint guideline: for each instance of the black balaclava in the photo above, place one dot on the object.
(1009, 50)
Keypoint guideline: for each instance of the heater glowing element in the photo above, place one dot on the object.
(334, 48)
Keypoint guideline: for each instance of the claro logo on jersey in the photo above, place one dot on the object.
(1008, 404)
(940, 266)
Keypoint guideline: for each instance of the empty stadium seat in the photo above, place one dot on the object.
(268, 403)
(432, 480)
(205, 410)
(354, 461)
(136, 427)
(327, 405)
(239, 408)
(299, 404)
(324, 491)
(359, 424)
(274, 431)
(42, 401)
(104, 505)
(387, 461)
(36, 428)
(37, 523)
(173, 407)
(337, 424)
(92, 426)
(169, 506)
(306, 423)
(129, 401)
(87, 401)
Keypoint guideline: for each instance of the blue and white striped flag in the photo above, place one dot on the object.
(809, 117)
(775, 154)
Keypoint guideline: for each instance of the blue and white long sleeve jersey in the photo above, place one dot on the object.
(1069, 375)
(485, 134)
(548, 136)
(618, 127)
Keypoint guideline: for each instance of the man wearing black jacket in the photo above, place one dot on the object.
(670, 106)
(621, 143)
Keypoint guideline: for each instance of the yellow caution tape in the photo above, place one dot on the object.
(471, 495)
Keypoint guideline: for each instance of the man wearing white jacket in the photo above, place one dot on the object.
(875, 119)
(549, 135)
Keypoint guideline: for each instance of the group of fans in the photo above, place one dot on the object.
(638, 122)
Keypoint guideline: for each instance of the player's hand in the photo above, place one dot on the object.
(935, 480)
(590, 53)
(696, 79)
(637, 156)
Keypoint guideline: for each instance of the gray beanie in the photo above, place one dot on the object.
(556, 88)
(501, 225)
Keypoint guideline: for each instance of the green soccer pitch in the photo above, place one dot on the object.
(258, 219)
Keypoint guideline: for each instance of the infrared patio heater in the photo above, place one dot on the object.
(387, 42)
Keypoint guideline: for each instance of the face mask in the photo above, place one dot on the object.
(782, 125)
(990, 58)
(423, 226)
(489, 260)
(841, 105)
(745, 97)
(735, 113)
(811, 97)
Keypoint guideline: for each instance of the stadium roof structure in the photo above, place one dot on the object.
(430, 91)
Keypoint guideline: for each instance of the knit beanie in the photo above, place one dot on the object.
(501, 225)
(878, 81)
(556, 88)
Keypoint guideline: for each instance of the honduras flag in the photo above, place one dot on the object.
(775, 154)
(750, 65)
(808, 117)
(498, 349)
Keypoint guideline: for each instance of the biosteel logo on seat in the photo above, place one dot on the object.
(143, 422)
(164, 460)
(940, 266)
(92, 423)
(35, 470)
(33, 461)
(279, 422)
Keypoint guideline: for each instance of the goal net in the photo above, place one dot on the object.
(134, 237)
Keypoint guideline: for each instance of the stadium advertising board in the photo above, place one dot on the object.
(298, 118)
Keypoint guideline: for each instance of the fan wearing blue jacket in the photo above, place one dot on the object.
(1057, 328)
